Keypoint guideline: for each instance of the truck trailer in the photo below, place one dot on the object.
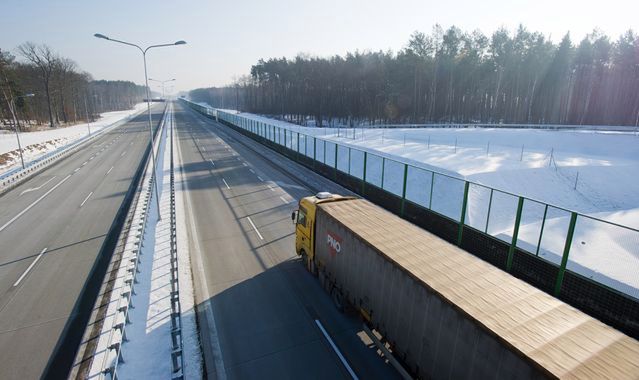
(444, 313)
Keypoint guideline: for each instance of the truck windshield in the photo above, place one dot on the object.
(301, 217)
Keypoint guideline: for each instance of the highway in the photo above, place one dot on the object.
(261, 314)
(53, 228)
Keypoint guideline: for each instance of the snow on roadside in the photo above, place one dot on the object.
(36, 144)
(592, 172)
(147, 354)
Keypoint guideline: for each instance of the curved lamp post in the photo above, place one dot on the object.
(148, 98)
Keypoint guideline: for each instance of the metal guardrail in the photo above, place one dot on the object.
(177, 353)
(14, 176)
(124, 287)
(125, 282)
(527, 237)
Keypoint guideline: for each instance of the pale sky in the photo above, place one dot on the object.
(226, 37)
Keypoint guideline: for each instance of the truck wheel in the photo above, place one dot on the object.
(304, 258)
(338, 300)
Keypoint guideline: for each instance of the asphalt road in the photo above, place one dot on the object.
(258, 308)
(52, 229)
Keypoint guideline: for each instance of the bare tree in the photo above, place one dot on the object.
(46, 61)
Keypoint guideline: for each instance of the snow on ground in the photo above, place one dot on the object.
(592, 172)
(36, 144)
(147, 354)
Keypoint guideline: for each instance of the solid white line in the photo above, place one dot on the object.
(255, 228)
(337, 351)
(227, 185)
(39, 187)
(110, 170)
(284, 200)
(86, 199)
(29, 268)
(34, 203)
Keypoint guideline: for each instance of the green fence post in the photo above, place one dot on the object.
(541, 231)
(364, 175)
(383, 167)
(511, 250)
(335, 173)
(564, 258)
(401, 211)
(314, 151)
(490, 203)
(432, 184)
(462, 219)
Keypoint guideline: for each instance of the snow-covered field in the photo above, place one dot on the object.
(592, 172)
(36, 144)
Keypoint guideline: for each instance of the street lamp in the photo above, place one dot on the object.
(148, 100)
(162, 82)
(15, 122)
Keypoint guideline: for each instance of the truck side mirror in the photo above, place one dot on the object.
(294, 216)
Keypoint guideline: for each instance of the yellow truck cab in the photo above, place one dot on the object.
(304, 219)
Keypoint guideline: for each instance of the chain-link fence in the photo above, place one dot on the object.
(576, 257)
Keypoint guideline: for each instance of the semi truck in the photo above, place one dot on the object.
(444, 313)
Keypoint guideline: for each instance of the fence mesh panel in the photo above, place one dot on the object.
(418, 185)
(606, 253)
(503, 212)
(448, 196)
(330, 154)
(477, 206)
(554, 234)
(319, 156)
(532, 219)
(357, 163)
(393, 177)
(374, 170)
(342, 158)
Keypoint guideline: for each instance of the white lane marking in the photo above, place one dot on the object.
(86, 199)
(284, 200)
(255, 228)
(34, 203)
(29, 268)
(211, 161)
(84, 163)
(92, 157)
(252, 171)
(203, 149)
(123, 153)
(244, 164)
(37, 188)
(260, 178)
(76, 170)
(110, 170)
(337, 351)
(227, 185)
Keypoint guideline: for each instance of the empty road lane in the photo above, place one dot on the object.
(52, 230)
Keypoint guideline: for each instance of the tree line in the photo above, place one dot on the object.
(62, 92)
(451, 76)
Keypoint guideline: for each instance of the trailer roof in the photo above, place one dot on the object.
(558, 337)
